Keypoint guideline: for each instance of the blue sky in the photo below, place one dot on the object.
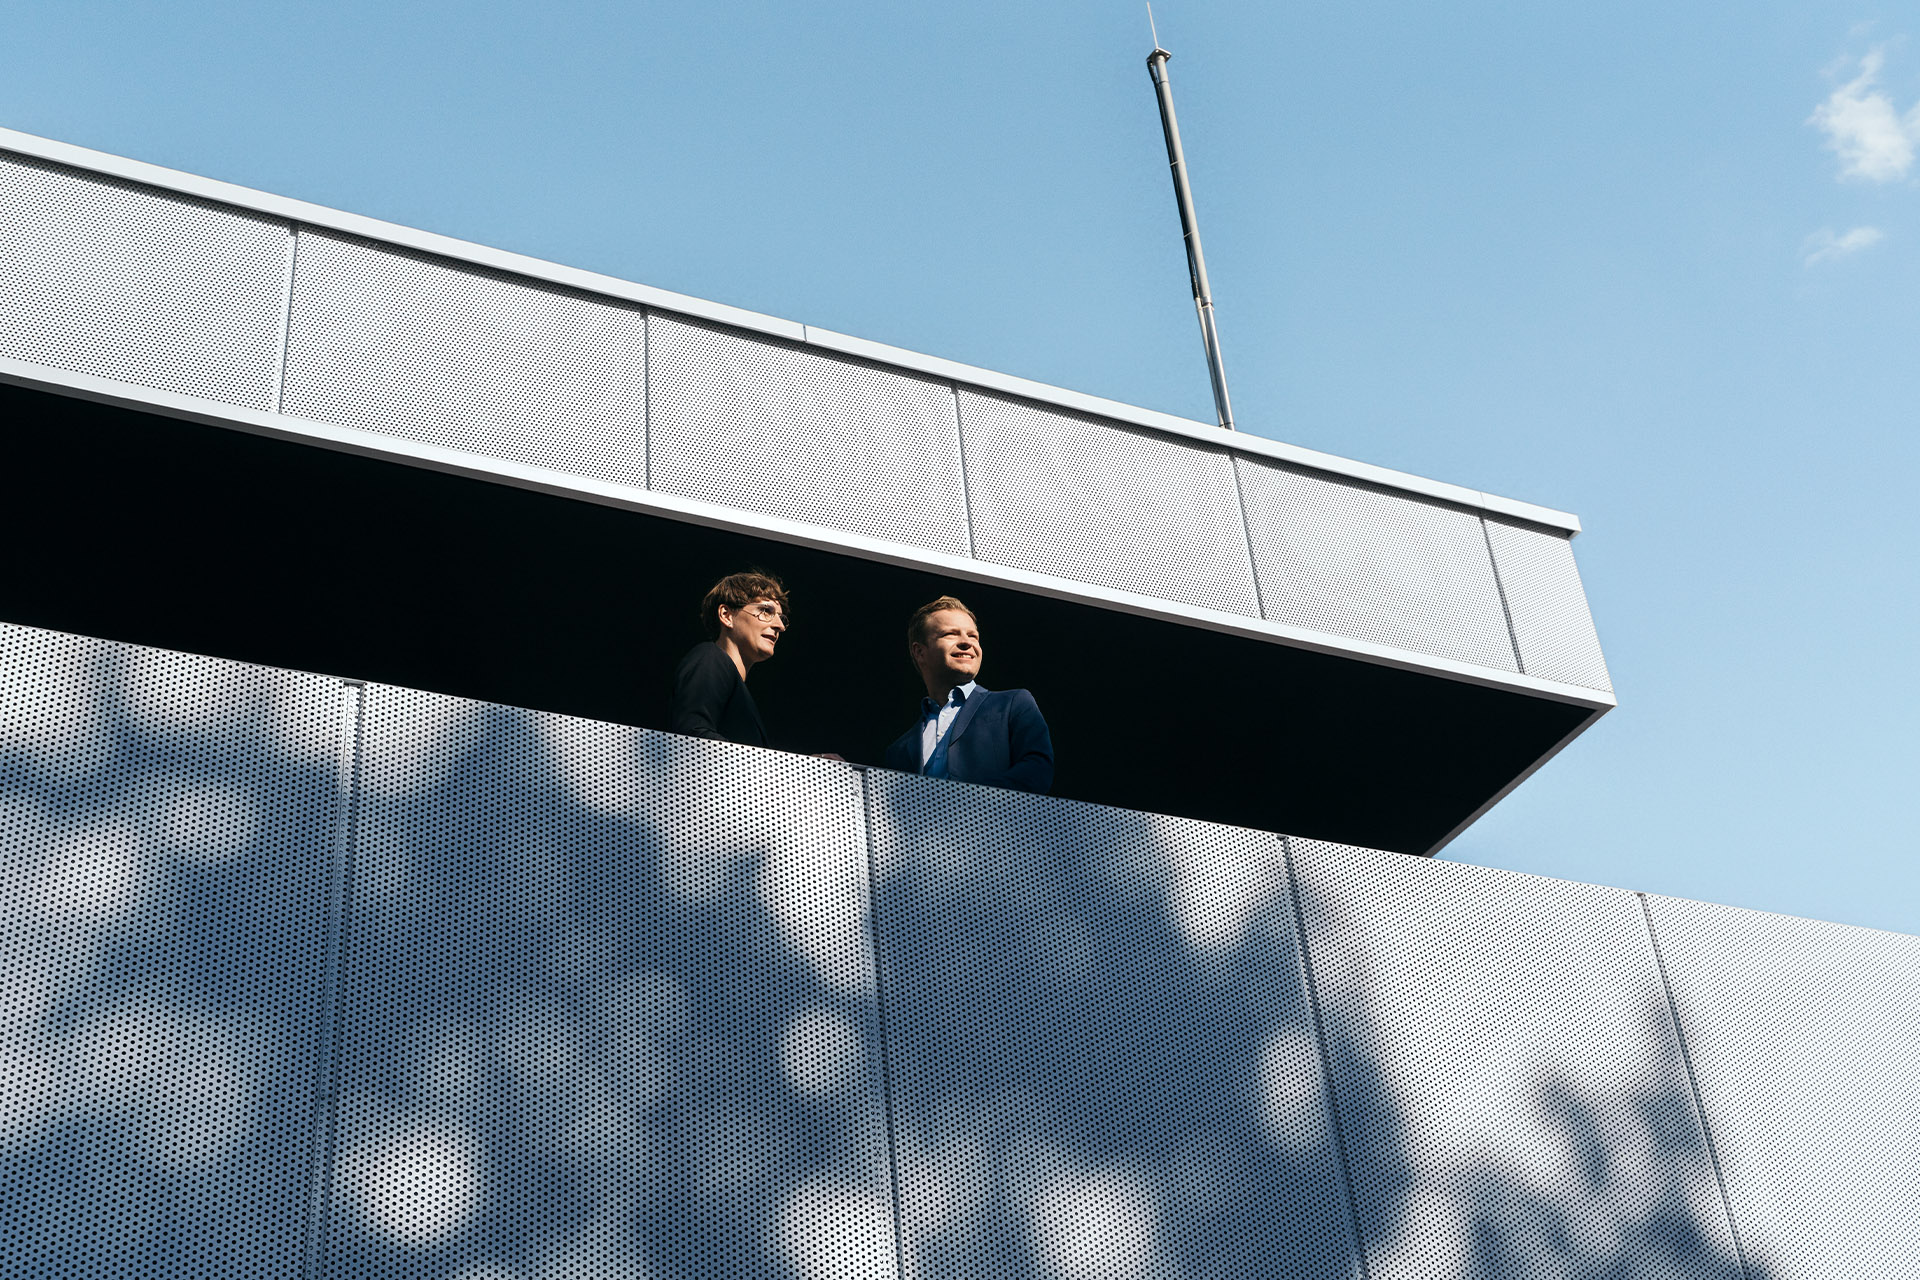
(1657, 267)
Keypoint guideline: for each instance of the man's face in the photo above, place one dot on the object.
(755, 629)
(951, 653)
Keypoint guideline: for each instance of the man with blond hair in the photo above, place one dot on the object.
(997, 738)
(745, 615)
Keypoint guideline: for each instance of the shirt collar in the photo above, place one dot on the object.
(957, 697)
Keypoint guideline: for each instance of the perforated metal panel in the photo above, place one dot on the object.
(164, 829)
(1359, 560)
(1101, 1055)
(771, 426)
(1551, 622)
(1090, 500)
(108, 278)
(1511, 1092)
(609, 1007)
(472, 359)
(1804, 1037)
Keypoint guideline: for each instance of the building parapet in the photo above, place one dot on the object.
(159, 279)
(164, 297)
(335, 977)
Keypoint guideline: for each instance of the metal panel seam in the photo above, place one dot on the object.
(1315, 1012)
(340, 902)
(966, 490)
(646, 398)
(1693, 1084)
(1493, 561)
(1246, 531)
(886, 1046)
(284, 334)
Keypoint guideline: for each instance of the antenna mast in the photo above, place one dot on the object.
(1189, 226)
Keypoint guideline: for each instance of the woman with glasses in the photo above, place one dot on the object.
(745, 614)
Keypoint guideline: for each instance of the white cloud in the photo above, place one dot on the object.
(1823, 244)
(1874, 142)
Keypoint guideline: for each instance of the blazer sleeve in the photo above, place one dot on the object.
(1029, 748)
(701, 686)
(903, 753)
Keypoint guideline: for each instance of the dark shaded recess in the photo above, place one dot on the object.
(137, 527)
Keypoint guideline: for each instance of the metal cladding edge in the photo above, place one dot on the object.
(299, 211)
(389, 448)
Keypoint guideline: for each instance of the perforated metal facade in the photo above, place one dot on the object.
(431, 350)
(766, 425)
(609, 1006)
(1512, 1095)
(1103, 1061)
(1068, 494)
(307, 979)
(105, 277)
(165, 828)
(1353, 559)
(1804, 1037)
(1551, 623)
(108, 277)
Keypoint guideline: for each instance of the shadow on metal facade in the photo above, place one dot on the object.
(1803, 1035)
(165, 827)
(1102, 1057)
(603, 1002)
(1510, 1088)
(609, 1007)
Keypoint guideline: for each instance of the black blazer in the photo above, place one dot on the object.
(999, 739)
(710, 700)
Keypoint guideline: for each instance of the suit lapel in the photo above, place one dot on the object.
(967, 709)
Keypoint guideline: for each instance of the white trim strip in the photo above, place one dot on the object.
(670, 506)
(609, 286)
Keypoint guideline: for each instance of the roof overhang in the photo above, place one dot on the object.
(189, 524)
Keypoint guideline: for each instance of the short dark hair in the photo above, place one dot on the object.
(738, 590)
(917, 624)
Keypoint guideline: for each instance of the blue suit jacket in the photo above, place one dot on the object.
(999, 739)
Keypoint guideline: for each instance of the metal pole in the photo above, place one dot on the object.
(1190, 232)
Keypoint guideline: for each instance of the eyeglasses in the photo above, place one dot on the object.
(768, 613)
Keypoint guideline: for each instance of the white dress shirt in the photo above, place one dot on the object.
(933, 727)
